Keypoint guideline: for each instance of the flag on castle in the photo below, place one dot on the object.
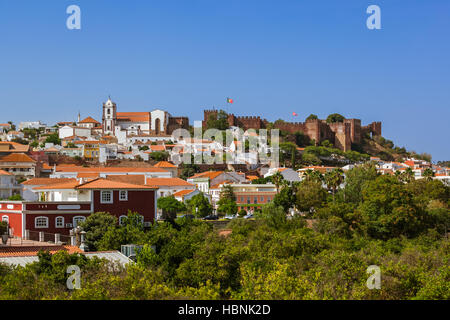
(229, 100)
(294, 114)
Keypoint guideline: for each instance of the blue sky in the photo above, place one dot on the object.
(272, 57)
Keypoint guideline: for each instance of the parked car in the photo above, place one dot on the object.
(230, 217)
(250, 215)
(211, 217)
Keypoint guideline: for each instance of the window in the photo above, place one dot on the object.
(59, 222)
(106, 197)
(41, 222)
(122, 220)
(268, 199)
(123, 195)
(262, 199)
(248, 200)
(5, 219)
(77, 220)
(255, 200)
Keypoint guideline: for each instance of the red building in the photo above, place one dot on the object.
(67, 204)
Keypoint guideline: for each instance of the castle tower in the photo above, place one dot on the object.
(109, 117)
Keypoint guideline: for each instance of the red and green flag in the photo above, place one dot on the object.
(229, 100)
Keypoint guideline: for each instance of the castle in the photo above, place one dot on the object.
(341, 134)
(156, 122)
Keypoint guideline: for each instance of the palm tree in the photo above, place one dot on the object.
(428, 174)
(333, 179)
(277, 179)
(408, 175)
(313, 175)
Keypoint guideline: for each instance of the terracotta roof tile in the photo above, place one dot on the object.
(5, 173)
(208, 174)
(102, 183)
(26, 251)
(74, 168)
(89, 120)
(16, 157)
(133, 116)
(46, 181)
(182, 193)
(168, 182)
(59, 186)
(165, 164)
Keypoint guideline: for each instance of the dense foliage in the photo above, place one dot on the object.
(402, 227)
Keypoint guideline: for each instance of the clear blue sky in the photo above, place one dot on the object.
(272, 57)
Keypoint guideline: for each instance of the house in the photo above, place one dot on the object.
(8, 147)
(205, 180)
(88, 123)
(91, 148)
(28, 186)
(72, 171)
(72, 152)
(185, 195)
(4, 127)
(8, 185)
(11, 135)
(19, 164)
(169, 186)
(31, 125)
(251, 197)
(68, 131)
(62, 206)
(287, 173)
(168, 166)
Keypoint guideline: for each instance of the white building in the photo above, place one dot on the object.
(32, 125)
(8, 185)
(70, 131)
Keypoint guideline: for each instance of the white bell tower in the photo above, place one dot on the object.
(109, 117)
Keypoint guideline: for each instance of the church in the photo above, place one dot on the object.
(154, 123)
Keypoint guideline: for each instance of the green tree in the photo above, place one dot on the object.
(285, 199)
(96, 226)
(312, 117)
(218, 121)
(53, 138)
(335, 117)
(333, 179)
(170, 207)
(355, 180)
(200, 206)
(227, 202)
(428, 174)
(310, 196)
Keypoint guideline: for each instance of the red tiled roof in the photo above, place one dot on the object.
(157, 148)
(208, 174)
(27, 251)
(5, 173)
(168, 182)
(128, 178)
(74, 168)
(89, 120)
(133, 116)
(13, 147)
(46, 181)
(164, 164)
(16, 157)
(102, 183)
(59, 186)
(182, 193)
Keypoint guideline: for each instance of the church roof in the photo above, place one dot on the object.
(133, 116)
(89, 120)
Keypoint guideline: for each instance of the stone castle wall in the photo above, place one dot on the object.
(341, 134)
